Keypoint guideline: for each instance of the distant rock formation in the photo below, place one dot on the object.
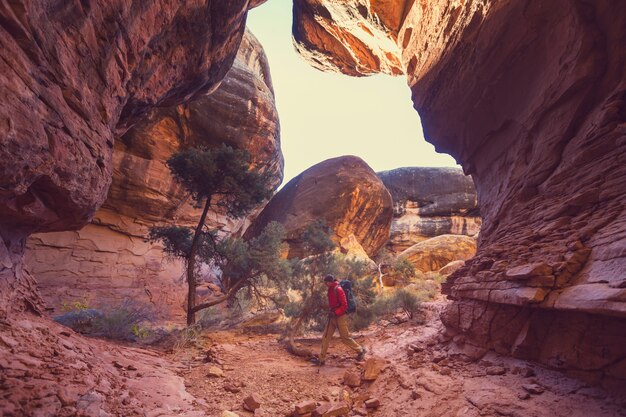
(343, 192)
(429, 202)
(435, 253)
(529, 97)
(109, 259)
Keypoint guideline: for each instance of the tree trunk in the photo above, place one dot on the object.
(191, 264)
(380, 277)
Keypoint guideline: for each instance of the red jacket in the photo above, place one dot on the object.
(337, 301)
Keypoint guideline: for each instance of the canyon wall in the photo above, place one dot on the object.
(530, 98)
(110, 259)
(75, 75)
(429, 202)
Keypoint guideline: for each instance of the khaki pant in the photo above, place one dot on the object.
(340, 322)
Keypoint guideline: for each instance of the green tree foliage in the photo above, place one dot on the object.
(176, 240)
(403, 269)
(221, 177)
(221, 172)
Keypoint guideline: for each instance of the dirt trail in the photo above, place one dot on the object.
(422, 381)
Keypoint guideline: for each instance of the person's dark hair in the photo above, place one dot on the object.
(329, 278)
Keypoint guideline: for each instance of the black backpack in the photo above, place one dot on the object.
(346, 285)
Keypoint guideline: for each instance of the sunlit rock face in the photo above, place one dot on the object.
(435, 253)
(110, 259)
(353, 37)
(530, 98)
(429, 202)
(344, 193)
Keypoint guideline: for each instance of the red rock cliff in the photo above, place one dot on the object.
(530, 97)
(75, 74)
(109, 259)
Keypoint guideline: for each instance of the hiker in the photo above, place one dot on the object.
(337, 318)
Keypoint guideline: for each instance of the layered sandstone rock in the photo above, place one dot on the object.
(74, 74)
(435, 253)
(429, 202)
(110, 259)
(530, 98)
(344, 193)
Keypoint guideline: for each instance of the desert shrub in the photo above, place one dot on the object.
(74, 306)
(124, 321)
(383, 306)
(81, 321)
(187, 337)
(425, 290)
(408, 301)
(403, 269)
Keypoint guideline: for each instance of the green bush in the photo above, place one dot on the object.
(82, 321)
(123, 321)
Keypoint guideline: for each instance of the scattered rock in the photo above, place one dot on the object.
(359, 411)
(445, 371)
(533, 388)
(331, 410)
(372, 403)
(304, 408)
(373, 367)
(215, 372)
(496, 370)
(230, 387)
(523, 396)
(226, 413)
(439, 356)
(415, 348)
(251, 402)
(524, 371)
(352, 378)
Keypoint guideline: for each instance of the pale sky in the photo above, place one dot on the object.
(324, 115)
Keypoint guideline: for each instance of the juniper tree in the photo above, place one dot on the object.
(221, 178)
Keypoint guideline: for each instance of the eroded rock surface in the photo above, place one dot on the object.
(48, 370)
(429, 202)
(343, 192)
(530, 98)
(109, 259)
(75, 74)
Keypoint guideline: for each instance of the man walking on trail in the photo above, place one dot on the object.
(338, 304)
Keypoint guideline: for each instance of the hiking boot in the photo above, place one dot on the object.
(361, 354)
(316, 361)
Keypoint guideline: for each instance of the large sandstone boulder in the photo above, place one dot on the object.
(435, 253)
(429, 202)
(110, 259)
(343, 192)
(529, 98)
